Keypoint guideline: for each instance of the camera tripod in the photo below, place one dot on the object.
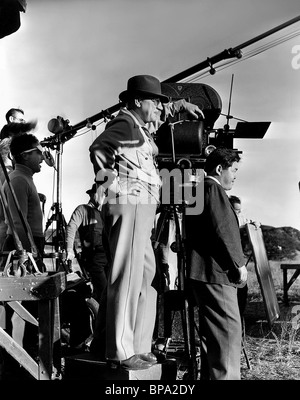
(60, 128)
(58, 239)
(169, 212)
(178, 299)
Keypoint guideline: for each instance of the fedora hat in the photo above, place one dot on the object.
(93, 190)
(144, 85)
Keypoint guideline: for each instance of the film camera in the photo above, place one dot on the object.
(185, 143)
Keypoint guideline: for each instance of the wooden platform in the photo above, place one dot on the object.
(87, 367)
(45, 289)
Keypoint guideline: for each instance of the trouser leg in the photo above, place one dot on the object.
(146, 310)
(131, 300)
(96, 268)
(220, 324)
(98, 345)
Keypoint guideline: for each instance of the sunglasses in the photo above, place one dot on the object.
(156, 102)
(38, 147)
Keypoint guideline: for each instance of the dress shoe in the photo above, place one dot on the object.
(133, 363)
(148, 357)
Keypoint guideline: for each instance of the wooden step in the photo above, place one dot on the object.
(86, 367)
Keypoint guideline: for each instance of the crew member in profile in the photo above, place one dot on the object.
(216, 265)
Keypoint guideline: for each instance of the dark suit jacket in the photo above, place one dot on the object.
(214, 250)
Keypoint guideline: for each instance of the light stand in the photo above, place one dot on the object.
(58, 234)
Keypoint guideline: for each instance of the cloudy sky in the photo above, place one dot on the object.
(72, 58)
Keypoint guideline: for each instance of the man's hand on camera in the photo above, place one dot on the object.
(191, 109)
(194, 111)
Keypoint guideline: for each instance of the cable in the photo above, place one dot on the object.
(246, 55)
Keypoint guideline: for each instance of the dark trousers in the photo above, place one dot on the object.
(95, 263)
(220, 330)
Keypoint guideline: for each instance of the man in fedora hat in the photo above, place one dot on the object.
(123, 157)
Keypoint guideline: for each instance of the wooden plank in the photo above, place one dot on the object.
(293, 279)
(32, 287)
(263, 272)
(22, 312)
(290, 266)
(45, 289)
(56, 340)
(2, 316)
(49, 339)
(18, 353)
(46, 321)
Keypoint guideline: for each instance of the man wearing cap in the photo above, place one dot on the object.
(86, 225)
(123, 157)
(86, 220)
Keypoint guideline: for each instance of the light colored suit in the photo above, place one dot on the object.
(125, 150)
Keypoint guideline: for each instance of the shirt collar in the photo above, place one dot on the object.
(137, 118)
(92, 205)
(213, 178)
(23, 168)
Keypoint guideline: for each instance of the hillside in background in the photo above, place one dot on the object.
(281, 243)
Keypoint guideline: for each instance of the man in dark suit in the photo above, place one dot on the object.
(217, 266)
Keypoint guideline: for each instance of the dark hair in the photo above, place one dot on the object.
(20, 143)
(15, 128)
(234, 199)
(12, 112)
(221, 156)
